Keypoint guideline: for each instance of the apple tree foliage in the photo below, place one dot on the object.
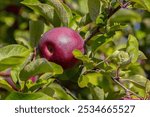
(116, 62)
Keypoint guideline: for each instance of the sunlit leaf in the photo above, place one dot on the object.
(90, 78)
(12, 55)
(137, 80)
(84, 58)
(133, 48)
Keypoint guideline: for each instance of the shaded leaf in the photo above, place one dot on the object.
(124, 16)
(45, 10)
(145, 4)
(147, 87)
(36, 29)
(5, 85)
(28, 96)
(85, 20)
(40, 83)
(99, 40)
(94, 8)
(62, 10)
(39, 66)
(60, 93)
(97, 93)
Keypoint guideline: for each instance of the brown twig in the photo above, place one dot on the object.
(117, 80)
(93, 32)
(126, 89)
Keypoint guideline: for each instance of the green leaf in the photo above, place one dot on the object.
(90, 78)
(97, 93)
(46, 76)
(45, 10)
(94, 8)
(36, 29)
(22, 41)
(58, 92)
(125, 16)
(5, 85)
(28, 96)
(121, 58)
(142, 3)
(84, 58)
(137, 80)
(12, 55)
(16, 71)
(133, 48)
(83, 81)
(85, 20)
(38, 84)
(79, 55)
(39, 66)
(142, 55)
(116, 27)
(62, 10)
(22, 37)
(147, 87)
(98, 41)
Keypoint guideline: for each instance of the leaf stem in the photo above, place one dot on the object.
(4, 74)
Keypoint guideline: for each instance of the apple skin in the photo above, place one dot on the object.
(57, 46)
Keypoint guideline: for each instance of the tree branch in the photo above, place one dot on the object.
(126, 89)
(96, 29)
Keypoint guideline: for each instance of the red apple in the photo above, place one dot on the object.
(58, 44)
